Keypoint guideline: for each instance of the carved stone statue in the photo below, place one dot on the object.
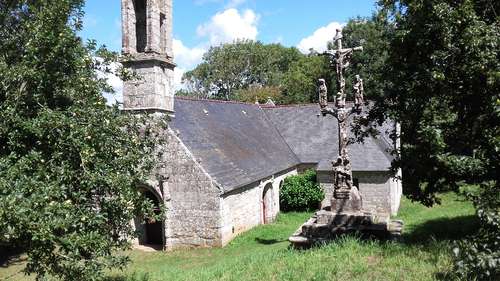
(323, 93)
(359, 92)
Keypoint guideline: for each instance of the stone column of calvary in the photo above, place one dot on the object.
(340, 60)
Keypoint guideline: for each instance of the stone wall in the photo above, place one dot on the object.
(377, 189)
(243, 208)
(147, 46)
(192, 200)
(154, 87)
(396, 192)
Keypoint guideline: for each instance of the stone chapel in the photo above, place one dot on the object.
(226, 161)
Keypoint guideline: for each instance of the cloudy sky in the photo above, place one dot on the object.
(198, 24)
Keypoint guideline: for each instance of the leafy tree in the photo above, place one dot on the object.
(69, 164)
(371, 33)
(300, 82)
(229, 68)
(443, 85)
(260, 94)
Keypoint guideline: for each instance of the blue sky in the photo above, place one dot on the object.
(198, 24)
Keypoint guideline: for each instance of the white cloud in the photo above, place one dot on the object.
(230, 25)
(187, 57)
(319, 39)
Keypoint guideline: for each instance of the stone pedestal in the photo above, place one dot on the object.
(350, 203)
(345, 216)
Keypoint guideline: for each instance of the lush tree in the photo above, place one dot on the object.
(246, 67)
(69, 164)
(443, 86)
(229, 68)
(260, 94)
(300, 83)
(371, 33)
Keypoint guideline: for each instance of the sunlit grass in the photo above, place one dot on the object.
(264, 253)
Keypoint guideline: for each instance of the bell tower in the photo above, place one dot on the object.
(147, 50)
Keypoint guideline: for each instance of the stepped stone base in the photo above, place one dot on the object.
(345, 216)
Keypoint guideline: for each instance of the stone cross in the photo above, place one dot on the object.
(340, 59)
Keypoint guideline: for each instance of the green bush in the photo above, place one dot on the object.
(478, 257)
(301, 192)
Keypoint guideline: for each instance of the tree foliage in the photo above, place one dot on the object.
(240, 69)
(443, 85)
(371, 33)
(231, 67)
(69, 164)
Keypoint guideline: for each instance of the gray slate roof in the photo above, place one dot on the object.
(236, 143)
(240, 143)
(314, 139)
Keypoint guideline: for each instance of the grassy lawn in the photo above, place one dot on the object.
(264, 254)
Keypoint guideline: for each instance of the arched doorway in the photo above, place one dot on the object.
(267, 203)
(153, 229)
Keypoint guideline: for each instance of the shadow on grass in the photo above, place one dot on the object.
(444, 229)
(269, 241)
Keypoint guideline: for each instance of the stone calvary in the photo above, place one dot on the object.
(345, 213)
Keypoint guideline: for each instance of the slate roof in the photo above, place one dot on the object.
(236, 143)
(314, 139)
(241, 143)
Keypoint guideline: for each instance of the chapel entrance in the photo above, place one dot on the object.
(153, 230)
(267, 204)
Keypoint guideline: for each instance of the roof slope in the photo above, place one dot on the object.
(314, 139)
(235, 142)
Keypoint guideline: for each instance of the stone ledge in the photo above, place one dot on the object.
(146, 57)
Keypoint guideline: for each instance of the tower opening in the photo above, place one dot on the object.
(163, 33)
(140, 25)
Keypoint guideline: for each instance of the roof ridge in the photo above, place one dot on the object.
(287, 105)
(214, 100)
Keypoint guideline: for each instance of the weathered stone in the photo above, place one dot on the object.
(352, 202)
(147, 49)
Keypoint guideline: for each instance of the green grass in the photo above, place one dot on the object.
(264, 254)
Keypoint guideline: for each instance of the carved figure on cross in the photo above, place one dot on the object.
(340, 60)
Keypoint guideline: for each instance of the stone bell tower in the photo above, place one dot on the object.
(147, 50)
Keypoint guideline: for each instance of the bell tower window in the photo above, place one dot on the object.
(140, 25)
(163, 33)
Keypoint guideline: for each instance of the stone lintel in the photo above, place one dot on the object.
(170, 113)
(148, 57)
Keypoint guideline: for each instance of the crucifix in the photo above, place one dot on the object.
(340, 59)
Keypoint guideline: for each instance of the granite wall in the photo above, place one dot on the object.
(380, 192)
